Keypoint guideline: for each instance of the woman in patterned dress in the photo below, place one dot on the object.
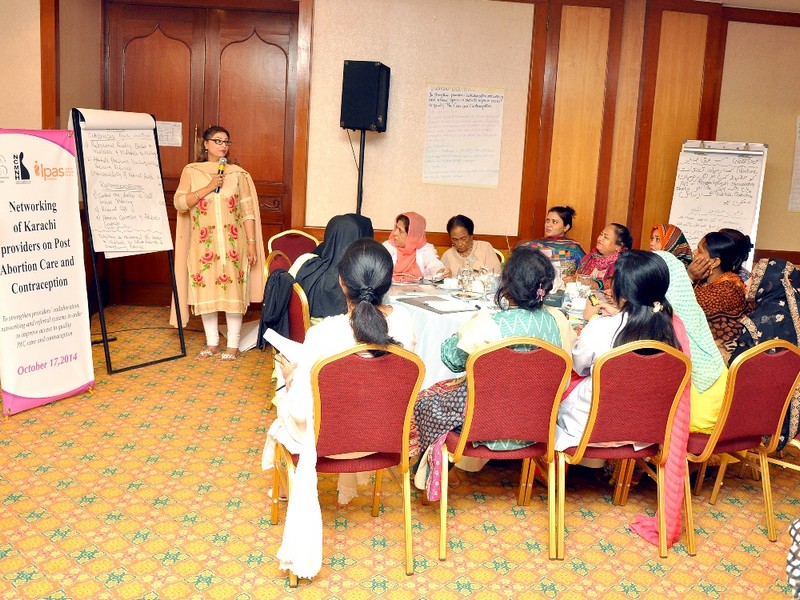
(599, 265)
(555, 244)
(670, 238)
(775, 292)
(526, 278)
(219, 252)
(718, 287)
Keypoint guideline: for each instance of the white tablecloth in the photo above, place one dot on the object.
(432, 328)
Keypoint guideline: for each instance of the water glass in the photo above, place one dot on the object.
(465, 278)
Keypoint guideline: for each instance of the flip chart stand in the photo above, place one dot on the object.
(115, 126)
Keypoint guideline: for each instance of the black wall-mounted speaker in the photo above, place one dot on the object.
(365, 95)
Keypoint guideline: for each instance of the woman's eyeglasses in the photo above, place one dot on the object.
(220, 142)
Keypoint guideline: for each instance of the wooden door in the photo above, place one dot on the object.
(199, 67)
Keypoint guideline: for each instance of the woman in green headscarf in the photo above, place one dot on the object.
(709, 373)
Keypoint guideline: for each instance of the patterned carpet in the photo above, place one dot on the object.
(151, 488)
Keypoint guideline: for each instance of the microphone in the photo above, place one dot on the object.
(220, 169)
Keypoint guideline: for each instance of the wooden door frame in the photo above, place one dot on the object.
(303, 8)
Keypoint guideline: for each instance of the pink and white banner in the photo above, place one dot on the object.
(45, 343)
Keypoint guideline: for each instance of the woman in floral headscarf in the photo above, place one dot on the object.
(670, 238)
(412, 255)
(775, 290)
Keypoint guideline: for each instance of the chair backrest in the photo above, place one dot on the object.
(276, 260)
(761, 382)
(636, 389)
(500, 255)
(514, 387)
(292, 242)
(299, 315)
(364, 403)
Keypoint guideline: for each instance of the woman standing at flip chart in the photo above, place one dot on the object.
(219, 251)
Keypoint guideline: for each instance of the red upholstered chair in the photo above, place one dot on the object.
(362, 403)
(299, 315)
(293, 243)
(760, 386)
(635, 393)
(513, 392)
(276, 260)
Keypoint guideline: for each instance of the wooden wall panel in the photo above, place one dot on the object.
(676, 109)
(578, 115)
(620, 187)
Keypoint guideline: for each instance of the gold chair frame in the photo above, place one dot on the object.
(284, 465)
(626, 468)
(271, 257)
(546, 463)
(290, 232)
(759, 465)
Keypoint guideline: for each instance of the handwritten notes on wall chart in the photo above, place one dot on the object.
(463, 131)
(717, 189)
(124, 192)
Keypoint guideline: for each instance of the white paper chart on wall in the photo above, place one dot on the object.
(718, 185)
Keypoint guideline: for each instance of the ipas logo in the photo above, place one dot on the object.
(49, 173)
(21, 173)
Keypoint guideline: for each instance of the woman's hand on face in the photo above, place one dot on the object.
(699, 269)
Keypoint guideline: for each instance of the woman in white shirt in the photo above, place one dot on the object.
(639, 287)
(412, 255)
(365, 275)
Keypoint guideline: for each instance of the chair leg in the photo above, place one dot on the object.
(723, 465)
(766, 485)
(552, 511)
(687, 510)
(624, 472)
(443, 505)
(376, 492)
(627, 487)
(536, 466)
(293, 580)
(524, 481)
(560, 493)
(701, 475)
(276, 478)
(407, 522)
(662, 515)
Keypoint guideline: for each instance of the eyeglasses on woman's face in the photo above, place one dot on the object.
(220, 142)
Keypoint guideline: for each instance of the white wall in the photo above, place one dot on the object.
(80, 56)
(21, 74)
(472, 43)
(760, 102)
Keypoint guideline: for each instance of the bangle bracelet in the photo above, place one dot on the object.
(251, 240)
(196, 197)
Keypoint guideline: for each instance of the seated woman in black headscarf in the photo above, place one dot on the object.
(317, 273)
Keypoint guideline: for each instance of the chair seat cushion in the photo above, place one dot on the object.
(484, 452)
(697, 443)
(372, 462)
(615, 452)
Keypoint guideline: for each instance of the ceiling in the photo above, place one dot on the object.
(781, 5)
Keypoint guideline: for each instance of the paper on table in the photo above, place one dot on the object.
(289, 348)
(450, 305)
